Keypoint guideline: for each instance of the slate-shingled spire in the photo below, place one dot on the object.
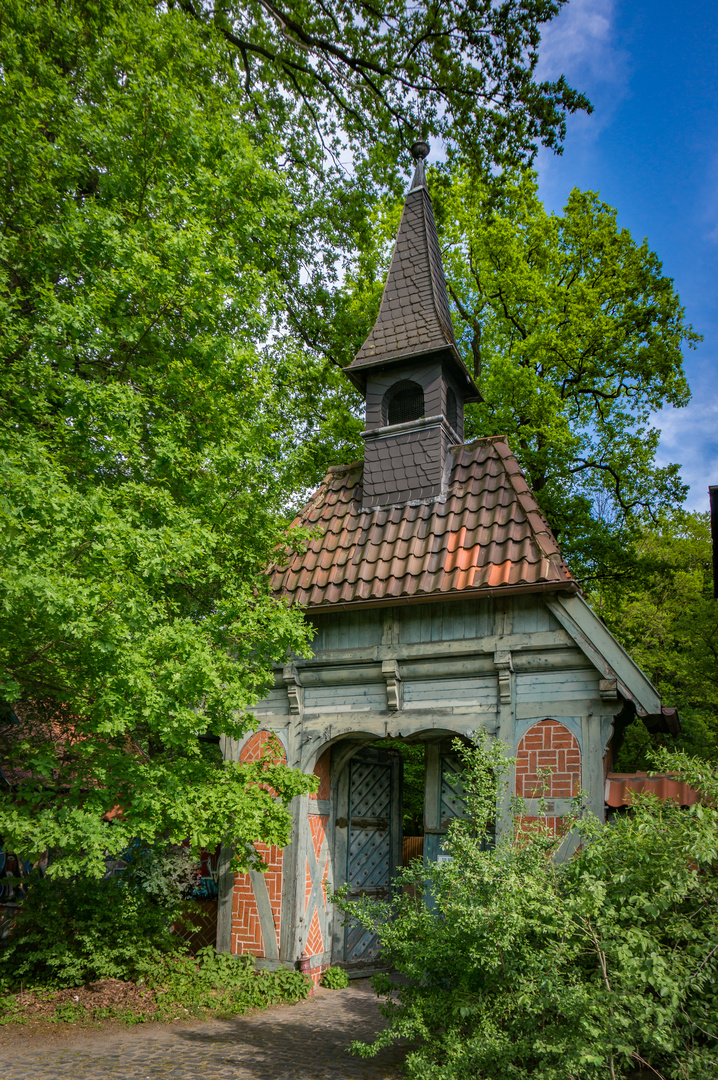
(409, 369)
(414, 316)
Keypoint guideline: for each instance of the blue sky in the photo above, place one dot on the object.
(650, 148)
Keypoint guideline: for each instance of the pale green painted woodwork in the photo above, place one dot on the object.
(428, 672)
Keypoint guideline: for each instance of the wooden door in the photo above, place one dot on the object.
(444, 797)
(373, 841)
(452, 803)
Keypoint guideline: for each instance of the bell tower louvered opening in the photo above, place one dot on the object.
(403, 403)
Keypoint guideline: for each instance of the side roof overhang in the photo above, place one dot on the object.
(610, 658)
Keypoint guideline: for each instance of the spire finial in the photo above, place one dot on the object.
(419, 151)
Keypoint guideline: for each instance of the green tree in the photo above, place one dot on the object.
(140, 486)
(666, 617)
(169, 190)
(360, 75)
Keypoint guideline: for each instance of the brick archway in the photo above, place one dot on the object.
(551, 745)
(548, 745)
(256, 744)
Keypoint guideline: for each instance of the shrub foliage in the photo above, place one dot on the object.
(335, 978)
(525, 966)
(73, 931)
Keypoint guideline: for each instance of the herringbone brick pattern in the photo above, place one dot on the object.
(321, 769)
(318, 825)
(548, 745)
(314, 937)
(246, 931)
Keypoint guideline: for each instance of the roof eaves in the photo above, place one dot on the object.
(606, 653)
(438, 597)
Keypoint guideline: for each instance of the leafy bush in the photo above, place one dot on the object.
(335, 978)
(169, 875)
(75, 930)
(221, 984)
(527, 967)
(72, 931)
(174, 986)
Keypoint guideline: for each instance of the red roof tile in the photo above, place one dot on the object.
(486, 534)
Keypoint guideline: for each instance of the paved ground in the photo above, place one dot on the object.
(289, 1042)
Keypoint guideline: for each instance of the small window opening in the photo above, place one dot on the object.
(404, 402)
(452, 412)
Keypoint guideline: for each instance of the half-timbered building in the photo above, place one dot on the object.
(442, 607)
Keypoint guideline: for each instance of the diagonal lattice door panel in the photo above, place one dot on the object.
(453, 801)
(369, 857)
(370, 789)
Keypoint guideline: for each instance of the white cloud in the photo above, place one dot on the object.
(580, 44)
(690, 436)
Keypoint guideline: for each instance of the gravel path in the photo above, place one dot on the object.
(288, 1042)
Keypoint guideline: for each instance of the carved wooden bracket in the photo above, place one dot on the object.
(504, 666)
(295, 690)
(390, 671)
(608, 689)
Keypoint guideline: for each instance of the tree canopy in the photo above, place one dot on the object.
(141, 493)
(383, 73)
(169, 182)
(664, 613)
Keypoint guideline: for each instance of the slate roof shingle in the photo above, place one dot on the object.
(414, 315)
(487, 535)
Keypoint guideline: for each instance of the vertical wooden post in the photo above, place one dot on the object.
(291, 878)
(225, 888)
(592, 763)
(432, 801)
(506, 705)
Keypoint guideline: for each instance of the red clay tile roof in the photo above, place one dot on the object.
(487, 535)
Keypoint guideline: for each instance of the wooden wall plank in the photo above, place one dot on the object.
(362, 697)
(546, 687)
(275, 703)
(442, 693)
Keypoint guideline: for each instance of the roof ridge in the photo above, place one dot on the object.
(337, 470)
(475, 442)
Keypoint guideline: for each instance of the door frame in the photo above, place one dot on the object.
(341, 824)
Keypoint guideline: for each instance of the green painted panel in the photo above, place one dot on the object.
(275, 703)
(550, 686)
(347, 630)
(453, 621)
(366, 697)
(442, 693)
